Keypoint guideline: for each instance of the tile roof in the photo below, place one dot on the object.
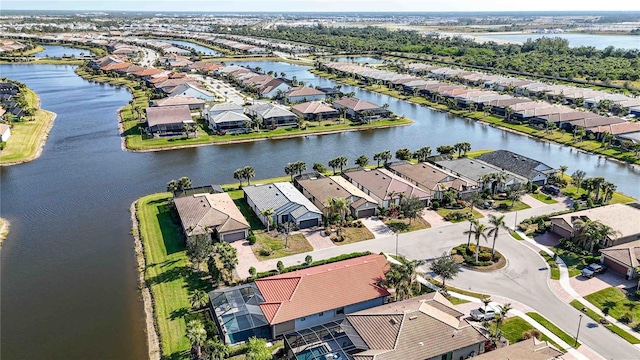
(355, 104)
(382, 182)
(474, 168)
(309, 291)
(303, 91)
(624, 218)
(168, 115)
(625, 254)
(532, 349)
(619, 128)
(314, 107)
(515, 163)
(230, 116)
(269, 110)
(432, 178)
(282, 197)
(201, 212)
(179, 100)
(227, 106)
(186, 86)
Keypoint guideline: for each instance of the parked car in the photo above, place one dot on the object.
(593, 269)
(551, 189)
(481, 314)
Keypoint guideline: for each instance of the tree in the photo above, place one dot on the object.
(253, 271)
(478, 232)
(238, 175)
(362, 161)
(401, 278)
(340, 161)
(257, 349)
(609, 189)
(228, 256)
(336, 207)
(215, 349)
(445, 267)
(422, 154)
(290, 170)
(515, 193)
(333, 163)
(445, 149)
(597, 183)
(267, 213)
(198, 299)
(214, 271)
(248, 172)
(497, 223)
(199, 248)
(184, 183)
(382, 156)
(577, 178)
(563, 169)
(300, 167)
(403, 154)
(319, 168)
(197, 335)
(605, 232)
(280, 266)
(172, 186)
(411, 207)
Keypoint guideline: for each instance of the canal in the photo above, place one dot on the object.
(68, 268)
(57, 51)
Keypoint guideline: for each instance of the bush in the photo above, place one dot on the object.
(548, 197)
(627, 318)
(534, 188)
(252, 271)
(280, 266)
(456, 216)
(435, 205)
(533, 333)
(265, 251)
(484, 256)
(251, 238)
(308, 260)
(327, 231)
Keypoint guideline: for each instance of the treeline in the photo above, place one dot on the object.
(544, 56)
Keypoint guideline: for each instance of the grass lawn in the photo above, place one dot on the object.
(572, 192)
(555, 272)
(518, 205)
(543, 198)
(407, 225)
(617, 303)
(473, 154)
(168, 273)
(513, 328)
(575, 263)
(355, 234)
(615, 329)
(554, 329)
(297, 244)
(443, 212)
(516, 236)
(456, 301)
(459, 291)
(27, 135)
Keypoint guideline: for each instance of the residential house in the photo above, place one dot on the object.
(273, 306)
(623, 259)
(318, 189)
(168, 119)
(385, 187)
(272, 115)
(315, 110)
(5, 132)
(432, 179)
(623, 218)
(195, 105)
(303, 94)
(535, 171)
(288, 204)
(230, 121)
(476, 169)
(358, 109)
(213, 215)
(426, 327)
(530, 349)
(217, 109)
(193, 91)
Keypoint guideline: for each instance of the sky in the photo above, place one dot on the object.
(321, 5)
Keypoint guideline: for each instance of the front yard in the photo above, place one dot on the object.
(407, 225)
(513, 329)
(463, 211)
(624, 308)
(354, 234)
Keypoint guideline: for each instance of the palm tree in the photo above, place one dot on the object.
(499, 180)
(197, 335)
(362, 161)
(605, 232)
(267, 213)
(563, 169)
(248, 172)
(338, 206)
(172, 186)
(508, 111)
(238, 175)
(609, 189)
(401, 278)
(382, 156)
(300, 166)
(423, 153)
(198, 299)
(478, 232)
(184, 183)
(215, 349)
(497, 223)
(290, 170)
(515, 193)
(577, 178)
(597, 183)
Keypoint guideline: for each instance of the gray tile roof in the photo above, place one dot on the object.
(474, 168)
(230, 116)
(282, 197)
(514, 163)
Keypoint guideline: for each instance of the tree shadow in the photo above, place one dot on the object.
(178, 355)
(171, 233)
(178, 313)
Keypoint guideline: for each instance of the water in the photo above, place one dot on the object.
(357, 60)
(68, 268)
(576, 40)
(56, 51)
(196, 47)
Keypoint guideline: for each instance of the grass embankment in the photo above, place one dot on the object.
(28, 136)
(561, 137)
(513, 328)
(168, 273)
(618, 305)
(555, 272)
(553, 328)
(615, 329)
(573, 192)
(475, 154)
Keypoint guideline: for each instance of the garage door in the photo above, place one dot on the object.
(234, 236)
(308, 223)
(366, 213)
(620, 269)
(561, 231)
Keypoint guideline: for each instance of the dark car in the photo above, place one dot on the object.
(551, 189)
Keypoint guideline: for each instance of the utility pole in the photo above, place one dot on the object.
(578, 332)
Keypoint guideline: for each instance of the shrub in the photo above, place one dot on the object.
(251, 238)
(456, 216)
(280, 266)
(548, 197)
(533, 333)
(252, 271)
(484, 256)
(435, 205)
(308, 260)
(327, 231)
(627, 318)
(534, 188)
(265, 251)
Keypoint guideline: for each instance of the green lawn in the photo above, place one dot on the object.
(615, 329)
(407, 225)
(473, 154)
(507, 207)
(443, 212)
(543, 197)
(617, 304)
(572, 191)
(553, 328)
(555, 272)
(355, 234)
(168, 273)
(456, 301)
(297, 244)
(516, 236)
(575, 262)
(514, 327)
(459, 291)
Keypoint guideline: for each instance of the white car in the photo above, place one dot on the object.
(481, 314)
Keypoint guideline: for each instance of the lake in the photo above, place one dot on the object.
(196, 47)
(56, 51)
(576, 40)
(68, 269)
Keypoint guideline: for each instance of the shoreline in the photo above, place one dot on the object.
(153, 339)
(4, 230)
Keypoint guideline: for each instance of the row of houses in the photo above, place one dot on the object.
(512, 107)
(9, 106)
(8, 46)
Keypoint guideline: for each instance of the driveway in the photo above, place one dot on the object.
(433, 218)
(377, 227)
(317, 238)
(246, 258)
(222, 89)
(584, 286)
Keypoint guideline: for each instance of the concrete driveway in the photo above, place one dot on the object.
(377, 227)
(584, 286)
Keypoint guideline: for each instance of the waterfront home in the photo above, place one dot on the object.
(616, 130)
(193, 91)
(288, 204)
(315, 110)
(357, 109)
(478, 170)
(303, 94)
(5, 131)
(212, 215)
(623, 259)
(535, 171)
(217, 109)
(319, 189)
(195, 105)
(385, 187)
(168, 119)
(271, 114)
(433, 179)
(273, 306)
(171, 61)
(229, 121)
(205, 66)
(425, 327)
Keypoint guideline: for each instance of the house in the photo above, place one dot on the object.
(535, 171)
(230, 121)
(315, 110)
(355, 108)
(623, 259)
(432, 179)
(384, 187)
(193, 91)
(217, 109)
(272, 88)
(195, 105)
(168, 119)
(623, 218)
(425, 327)
(303, 93)
(476, 169)
(213, 215)
(272, 115)
(288, 204)
(5, 132)
(530, 349)
(273, 306)
(318, 189)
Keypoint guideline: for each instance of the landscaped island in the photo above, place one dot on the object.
(28, 126)
(4, 229)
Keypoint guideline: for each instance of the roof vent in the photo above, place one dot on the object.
(392, 321)
(421, 343)
(413, 317)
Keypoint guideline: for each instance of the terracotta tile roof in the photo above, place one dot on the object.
(304, 292)
(201, 212)
(114, 66)
(303, 91)
(532, 349)
(355, 104)
(147, 71)
(381, 183)
(314, 107)
(619, 128)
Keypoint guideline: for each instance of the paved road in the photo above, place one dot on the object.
(222, 89)
(149, 56)
(523, 280)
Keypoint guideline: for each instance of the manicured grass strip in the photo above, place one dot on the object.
(459, 291)
(168, 273)
(516, 236)
(455, 301)
(297, 244)
(615, 329)
(473, 154)
(553, 328)
(555, 272)
(543, 198)
(617, 304)
(407, 225)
